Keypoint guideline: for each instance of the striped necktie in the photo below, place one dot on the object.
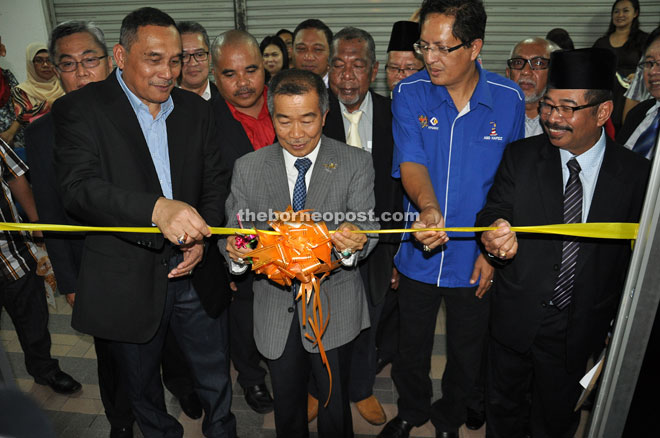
(569, 253)
(647, 139)
(300, 189)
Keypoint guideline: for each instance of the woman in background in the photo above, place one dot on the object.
(275, 55)
(34, 97)
(625, 39)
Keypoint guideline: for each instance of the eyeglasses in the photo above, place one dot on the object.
(199, 56)
(404, 71)
(43, 61)
(424, 49)
(565, 111)
(648, 65)
(69, 66)
(536, 63)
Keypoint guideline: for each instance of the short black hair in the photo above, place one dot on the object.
(469, 17)
(651, 39)
(313, 23)
(283, 31)
(142, 17)
(295, 82)
(72, 27)
(560, 37)
(275, 40)
(186, 27)
(597, 97)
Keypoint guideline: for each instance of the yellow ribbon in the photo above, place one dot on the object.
(611, 230)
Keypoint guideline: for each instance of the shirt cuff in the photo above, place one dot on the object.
(237, 268)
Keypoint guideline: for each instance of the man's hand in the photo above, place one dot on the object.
(484, 270)
(502, 242)
(179, 222)
(430, 217)
(70, 298)
(234, 252)
(344, 240)
(394, 281)
(192, 254)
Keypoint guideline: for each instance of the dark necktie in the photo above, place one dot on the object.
(300, 189)
(647, 138)
(569, 253)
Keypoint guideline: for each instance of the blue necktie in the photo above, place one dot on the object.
(300, 189)
(647, 138)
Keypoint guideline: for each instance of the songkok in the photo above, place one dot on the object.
(404, 35)
(582, 69)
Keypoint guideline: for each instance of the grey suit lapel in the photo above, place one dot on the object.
(274, 174)
(325, 164)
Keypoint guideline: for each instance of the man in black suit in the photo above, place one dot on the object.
(241, 115)
(196, 60)
(640, 130)
(362, 118)
(134, 151)
(554, 297)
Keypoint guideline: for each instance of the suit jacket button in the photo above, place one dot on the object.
(544, 304)
(555, 267)
(163, 262)
(290, 309)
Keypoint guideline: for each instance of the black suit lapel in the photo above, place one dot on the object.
(551, 186)
(120, 113)
(606, 199)
(334, 123)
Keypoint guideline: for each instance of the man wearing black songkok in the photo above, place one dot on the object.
(554, 296)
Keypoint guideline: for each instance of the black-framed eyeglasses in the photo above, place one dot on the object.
(43, 61)
(199, 56)
(648, 65)
(535, 63)
(91, 62)
(399, 70)
(424, 49)
(565, 111)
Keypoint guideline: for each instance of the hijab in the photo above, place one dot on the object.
(35, 87)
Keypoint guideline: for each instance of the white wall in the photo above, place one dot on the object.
(21, 23)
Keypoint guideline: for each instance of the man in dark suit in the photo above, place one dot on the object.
(308, 171)
(640, 130)
(196, 60)
(554, 297)
(353, 68)
(134, 151)
(241, 115)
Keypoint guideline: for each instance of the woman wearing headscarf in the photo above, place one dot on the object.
(34, 97)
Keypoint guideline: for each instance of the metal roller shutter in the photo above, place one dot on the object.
(508, 20)
(215, 15)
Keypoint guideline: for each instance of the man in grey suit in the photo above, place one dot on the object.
(310, 171)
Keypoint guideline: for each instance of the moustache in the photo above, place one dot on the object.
(244, 90)
(527, 82)
(557, 127)
(162, 84)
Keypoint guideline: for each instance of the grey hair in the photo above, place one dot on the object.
(353, 33)
(72, 27)
(231, 37)
(295, 82)
(549, 45)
